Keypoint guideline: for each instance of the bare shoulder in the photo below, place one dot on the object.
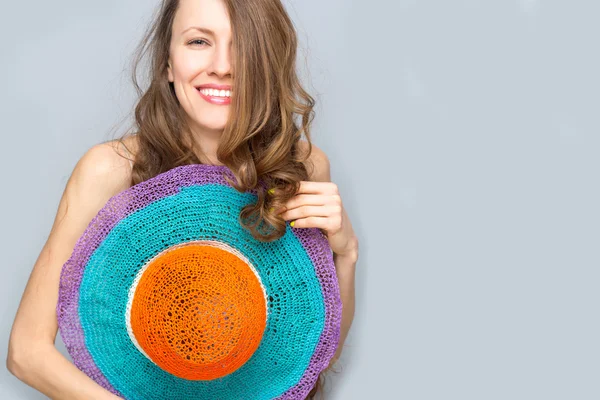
(109, 165)
(97, 176)
(317, 164)
(100, 173)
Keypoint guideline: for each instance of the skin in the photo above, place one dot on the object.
(103, 172)
(198, 58)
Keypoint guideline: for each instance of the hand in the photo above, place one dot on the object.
(319, 205)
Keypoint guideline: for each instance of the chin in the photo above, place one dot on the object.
(211, 125)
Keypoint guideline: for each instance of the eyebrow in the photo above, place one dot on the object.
(199, 28)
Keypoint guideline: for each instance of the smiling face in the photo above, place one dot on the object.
(200, 64)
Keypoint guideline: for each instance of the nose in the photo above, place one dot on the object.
(221, 62)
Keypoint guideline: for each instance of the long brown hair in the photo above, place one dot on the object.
(269, 113)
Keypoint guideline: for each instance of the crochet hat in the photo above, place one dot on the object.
(167, 296)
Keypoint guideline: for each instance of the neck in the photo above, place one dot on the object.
(206, 144)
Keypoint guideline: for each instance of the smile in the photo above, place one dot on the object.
(214, 96)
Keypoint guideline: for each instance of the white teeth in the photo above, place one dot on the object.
(216, 93)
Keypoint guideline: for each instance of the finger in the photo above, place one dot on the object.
(317, 187)
(308, 211)
(310, 222)
(307, 200)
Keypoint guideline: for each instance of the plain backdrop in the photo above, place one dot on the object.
(464, 138)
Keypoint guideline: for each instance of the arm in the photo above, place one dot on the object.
(344, 263)
(345, 270)
(32, 357)
(44, 368)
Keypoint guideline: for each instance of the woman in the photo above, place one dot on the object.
(223, 90)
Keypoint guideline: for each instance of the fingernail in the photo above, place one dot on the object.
(292, 223)
(271, 191)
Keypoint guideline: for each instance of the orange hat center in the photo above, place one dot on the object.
(198, 311)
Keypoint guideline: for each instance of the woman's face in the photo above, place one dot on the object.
(200, 63)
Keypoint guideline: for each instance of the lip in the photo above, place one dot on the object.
(220, 101)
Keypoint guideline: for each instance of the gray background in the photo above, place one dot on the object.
(463, 136)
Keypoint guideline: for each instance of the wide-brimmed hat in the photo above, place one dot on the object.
(167, 296)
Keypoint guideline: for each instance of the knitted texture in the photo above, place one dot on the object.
(167, 296)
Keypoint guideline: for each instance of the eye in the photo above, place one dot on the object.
(197, 41)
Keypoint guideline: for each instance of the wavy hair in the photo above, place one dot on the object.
(260, 145)
(271, 108)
